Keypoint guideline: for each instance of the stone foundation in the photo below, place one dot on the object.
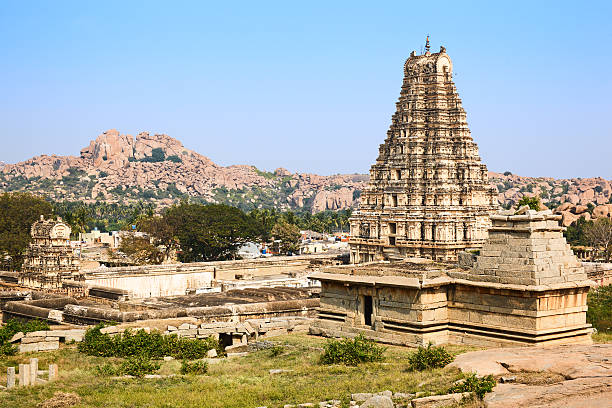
(526, 288)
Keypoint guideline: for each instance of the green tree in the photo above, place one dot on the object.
(162, 233)
(576, 233)
(18, 211)
(210, 232)
(289, 235)
(141, 251)
(532, 202)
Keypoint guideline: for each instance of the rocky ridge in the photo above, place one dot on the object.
(159, 168)
(590, 198)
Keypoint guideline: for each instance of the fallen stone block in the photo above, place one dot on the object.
(74, 337)
(111, 330)
(188, 333)
(64, 333)
(41, 333)
(236, 348)
(184, 326)
(438, 401)
(212, 353)
(277, 332)
(28, 340)
(16, 337)
(52, 338)
(39, 346)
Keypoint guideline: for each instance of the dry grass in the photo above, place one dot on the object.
(237, 382)
(602, 337)
(61, 400)
(538, 378)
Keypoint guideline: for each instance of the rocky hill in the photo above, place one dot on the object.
(158, 168)
(573, 198)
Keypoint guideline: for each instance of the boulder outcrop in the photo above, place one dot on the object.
(159, 168)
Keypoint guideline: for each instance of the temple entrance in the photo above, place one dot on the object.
(367, 310)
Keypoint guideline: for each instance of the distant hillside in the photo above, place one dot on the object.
(158, 168)
(573, 198)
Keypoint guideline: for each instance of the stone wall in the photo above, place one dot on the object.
(526, 288)
(179, 279)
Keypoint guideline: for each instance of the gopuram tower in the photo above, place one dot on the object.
(429, 194)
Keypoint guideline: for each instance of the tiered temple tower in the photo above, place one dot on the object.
(49, 259)
(429, 194)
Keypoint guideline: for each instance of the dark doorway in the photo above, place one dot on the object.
(226, 339)
(367, 310)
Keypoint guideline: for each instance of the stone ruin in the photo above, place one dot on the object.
(49, 259)
(525, 288)
(428, 194)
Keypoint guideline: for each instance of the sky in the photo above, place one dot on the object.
(309, 86)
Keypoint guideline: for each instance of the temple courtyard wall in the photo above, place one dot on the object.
(179, 279)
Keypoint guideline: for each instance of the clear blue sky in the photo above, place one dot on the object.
(309, 86)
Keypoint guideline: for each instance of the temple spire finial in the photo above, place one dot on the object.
(427, 47)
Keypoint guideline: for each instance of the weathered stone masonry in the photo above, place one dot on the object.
(428, 193)
(526, 288)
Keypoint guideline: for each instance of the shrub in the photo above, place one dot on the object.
(276, 351)
(429, 357)
(153, 345)
(15, 326)
(137, 366)
(472, 383)
(352, 352)
(599, 313)
(196, 367)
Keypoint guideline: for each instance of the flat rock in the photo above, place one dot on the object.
(378, 401)
(579, 393)
(570, 361)
(279, 371)
(16, 337)
(587, 370)
(438, 401)
(361, 396)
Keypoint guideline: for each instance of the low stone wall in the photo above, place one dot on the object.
(46, 307)
(91, 315)
(179, 279)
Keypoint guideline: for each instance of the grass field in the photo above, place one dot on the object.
(236, 382)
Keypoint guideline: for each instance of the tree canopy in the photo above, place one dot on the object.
(289, 236)
(18, 211)
(209, 232)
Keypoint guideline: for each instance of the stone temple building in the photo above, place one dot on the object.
(49, 259)
(428, 194)
(525, 288)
